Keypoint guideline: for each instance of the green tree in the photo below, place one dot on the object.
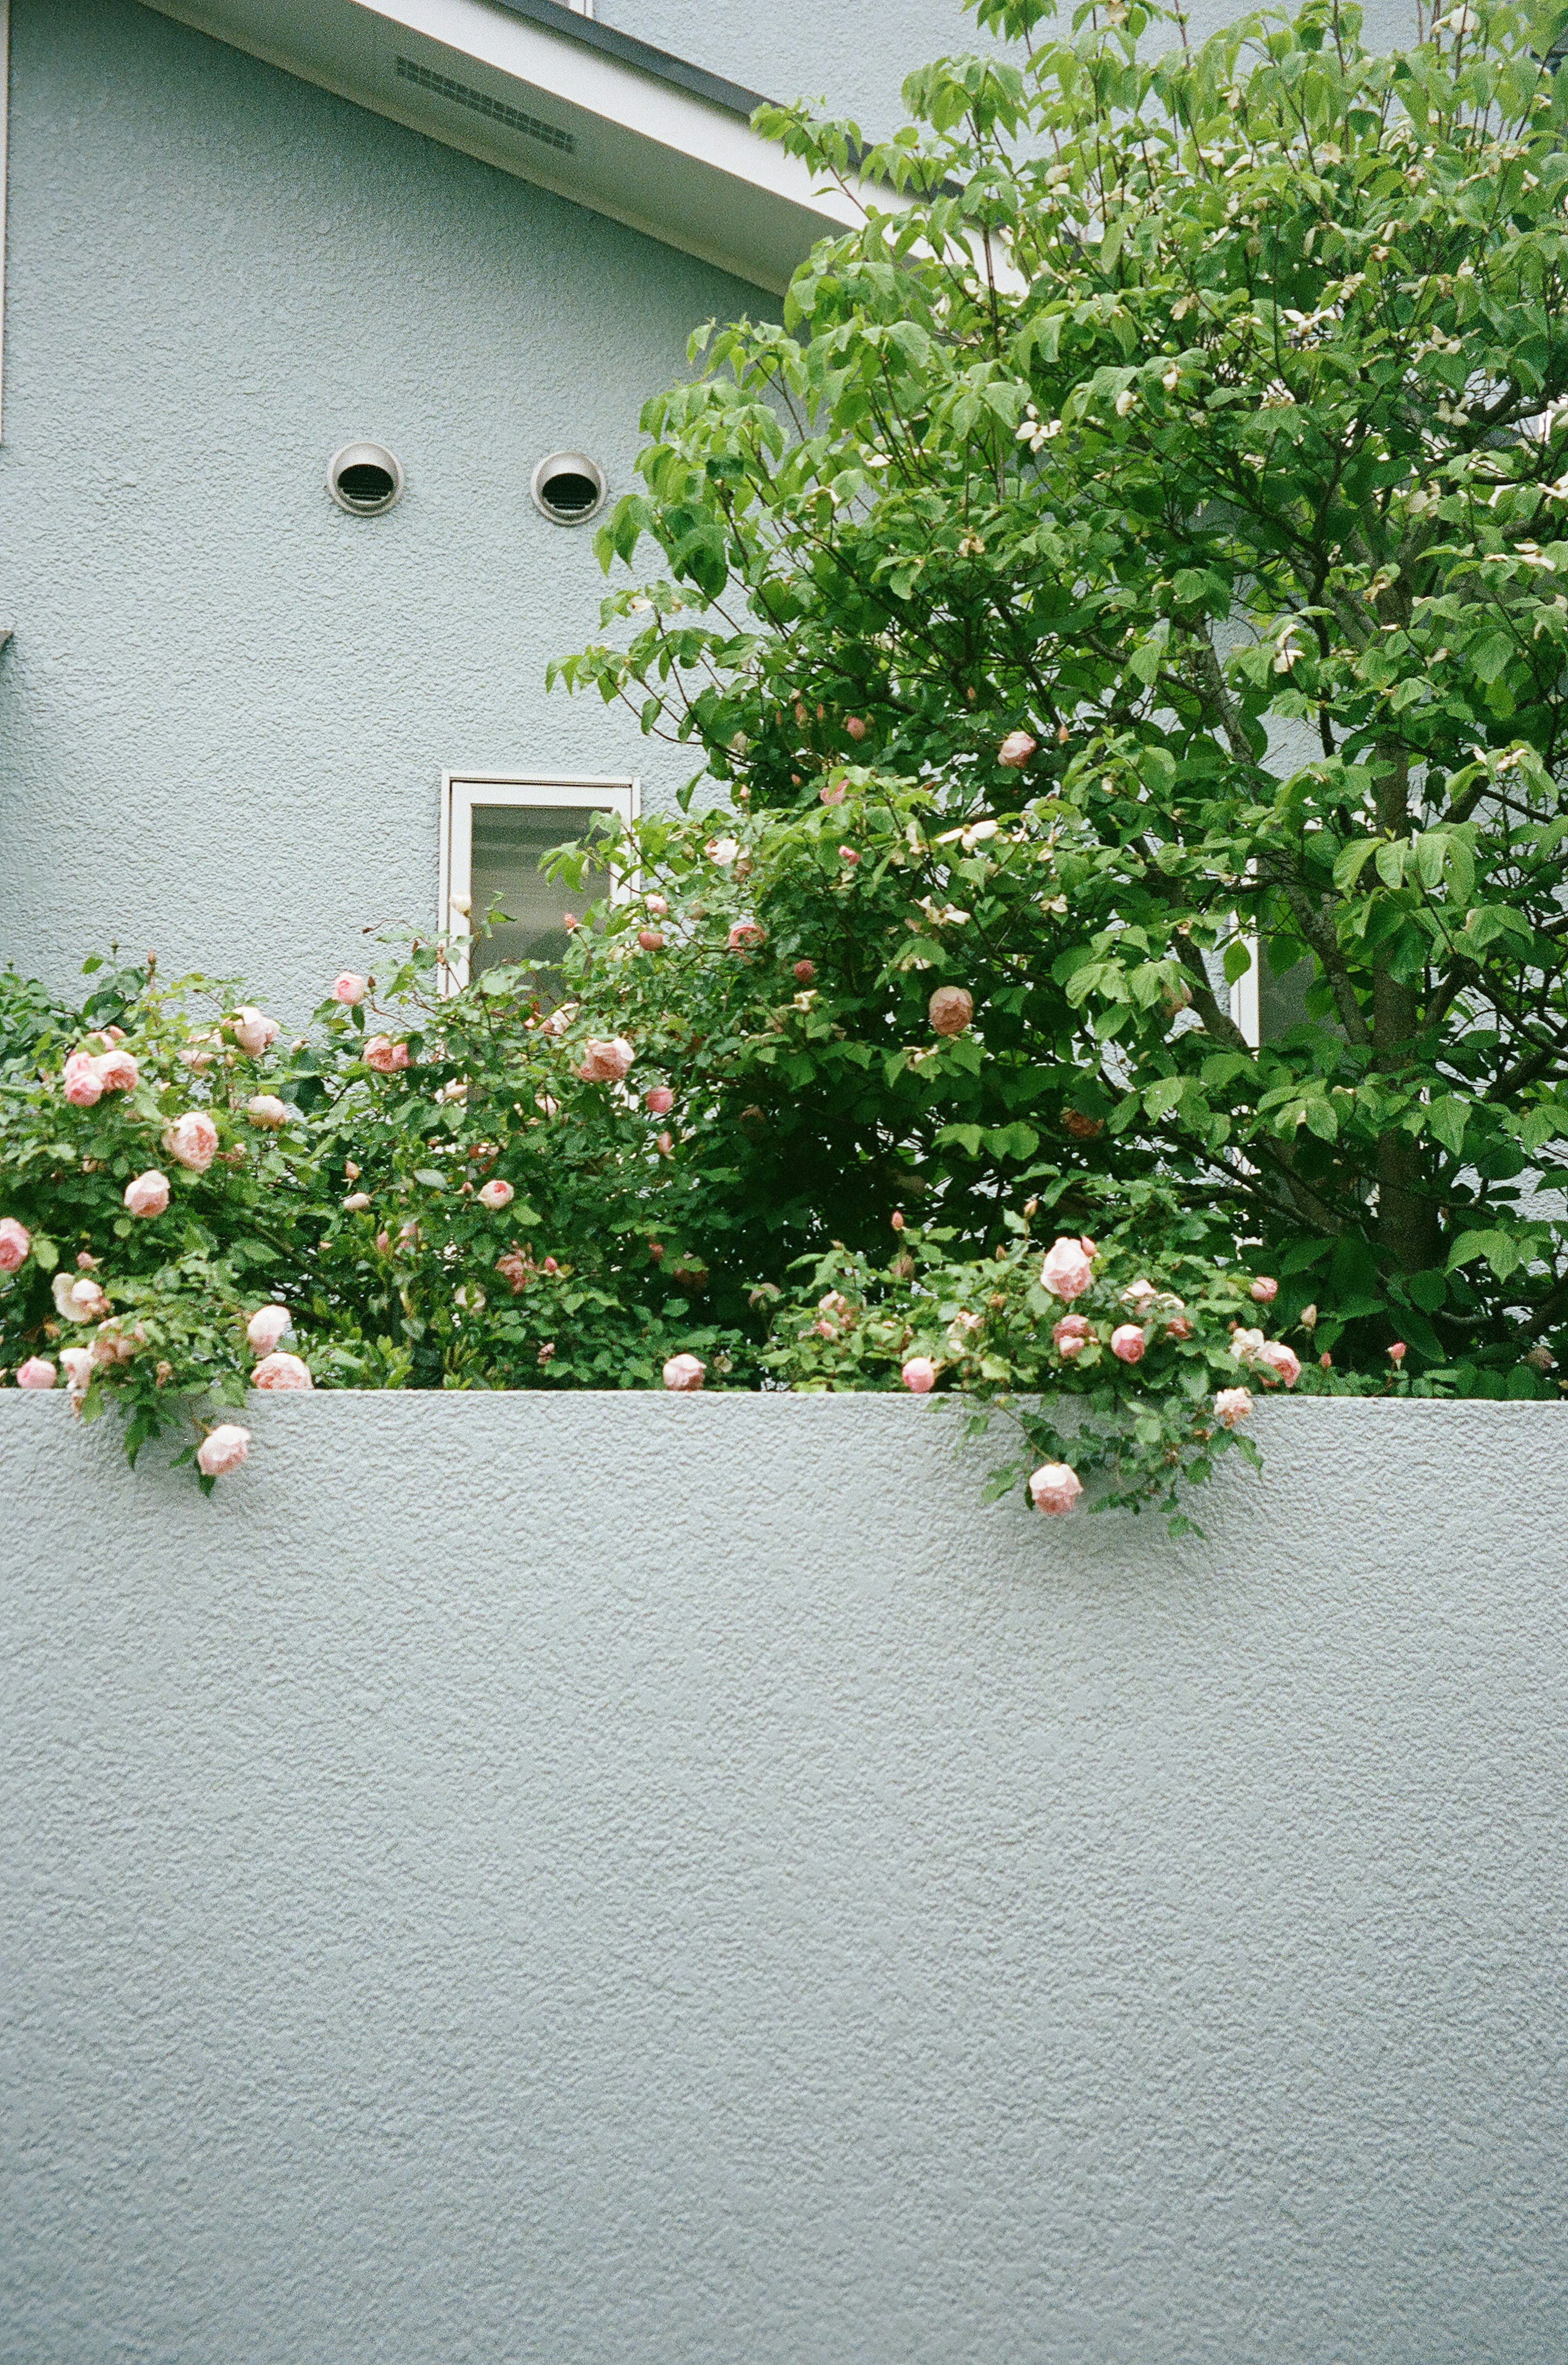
(1196, 416)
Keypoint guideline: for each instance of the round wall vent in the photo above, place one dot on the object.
(569, 487)
(364, 479)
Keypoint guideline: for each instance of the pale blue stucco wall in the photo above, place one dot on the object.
(855, 53)
(227, 706)
(648, 1881)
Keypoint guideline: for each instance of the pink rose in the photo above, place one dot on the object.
(606, 1063)
(148, 1195)
(385, 1056)
(37, 1372)
(83, 1085)
(79, 1363)
(665, 1144)
(834, 795)
(117, 1072)
(722, 850)
(1072, 1334)
(356, 1203)
(254, 1031)
(1067, 1271)
(1088, 1247)
(1246, 1345)
(1265, 1289)
(1276, 1357)
(200, 1051)
(281, 1372)
(1179, 1327)
(1015, 750)
(683, 1372)
(78, 1298)
(1233, 1406)
(658, 1101)
(266, 1110)
(266, 1327)
(855, 725)
(513, 1267)
(1127, 1342)
(950, 1009)
(349, 988)
(848, 854)
(497, 1194)
(114, 1345)
(1138, 1293)
(16, 1241)
(222, 1450)
(804, 972)
(1397, 1354)
(383, 1243)
(650, 939)
(745, 935)
(919, 1375)
(1054, 1486)
(192, 1140)
(656, 905)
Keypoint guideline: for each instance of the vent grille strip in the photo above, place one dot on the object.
(479, 101)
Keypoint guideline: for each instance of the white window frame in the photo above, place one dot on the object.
(1245, 1004)
(461, 791)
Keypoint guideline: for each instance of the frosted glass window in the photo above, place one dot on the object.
(509, 844)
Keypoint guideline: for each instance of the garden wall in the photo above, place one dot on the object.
(577, 1879)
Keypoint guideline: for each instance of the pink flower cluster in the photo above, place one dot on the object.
(88, 1075)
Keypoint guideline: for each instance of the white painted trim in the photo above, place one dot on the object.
(462, 790)
(1244, 1007)
(704, 182)
(5, 130)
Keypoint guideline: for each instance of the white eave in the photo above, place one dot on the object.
(579, 108)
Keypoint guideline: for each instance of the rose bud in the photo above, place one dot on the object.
(266, 1110)
(656, 905)
(651, 940)
(848, 854)
(37, 1372)
(349, 988)
(684, 1373)
(1397, 1352)
(1015, 750)
(659, 1100)
(855, 725)
(356, 1203)
(834, 795)
(1265, 1289)
(665, 1144)
(919, 1375)
(804, 972)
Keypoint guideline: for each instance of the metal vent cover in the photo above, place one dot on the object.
(479, 101)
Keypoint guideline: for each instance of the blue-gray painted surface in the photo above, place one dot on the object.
(542, 1880)
(226, 709)
(857, 53)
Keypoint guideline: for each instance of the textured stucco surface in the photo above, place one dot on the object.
(855, 53)
(225, 713)
(672, 1879)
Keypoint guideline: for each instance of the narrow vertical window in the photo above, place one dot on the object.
(495, 833)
